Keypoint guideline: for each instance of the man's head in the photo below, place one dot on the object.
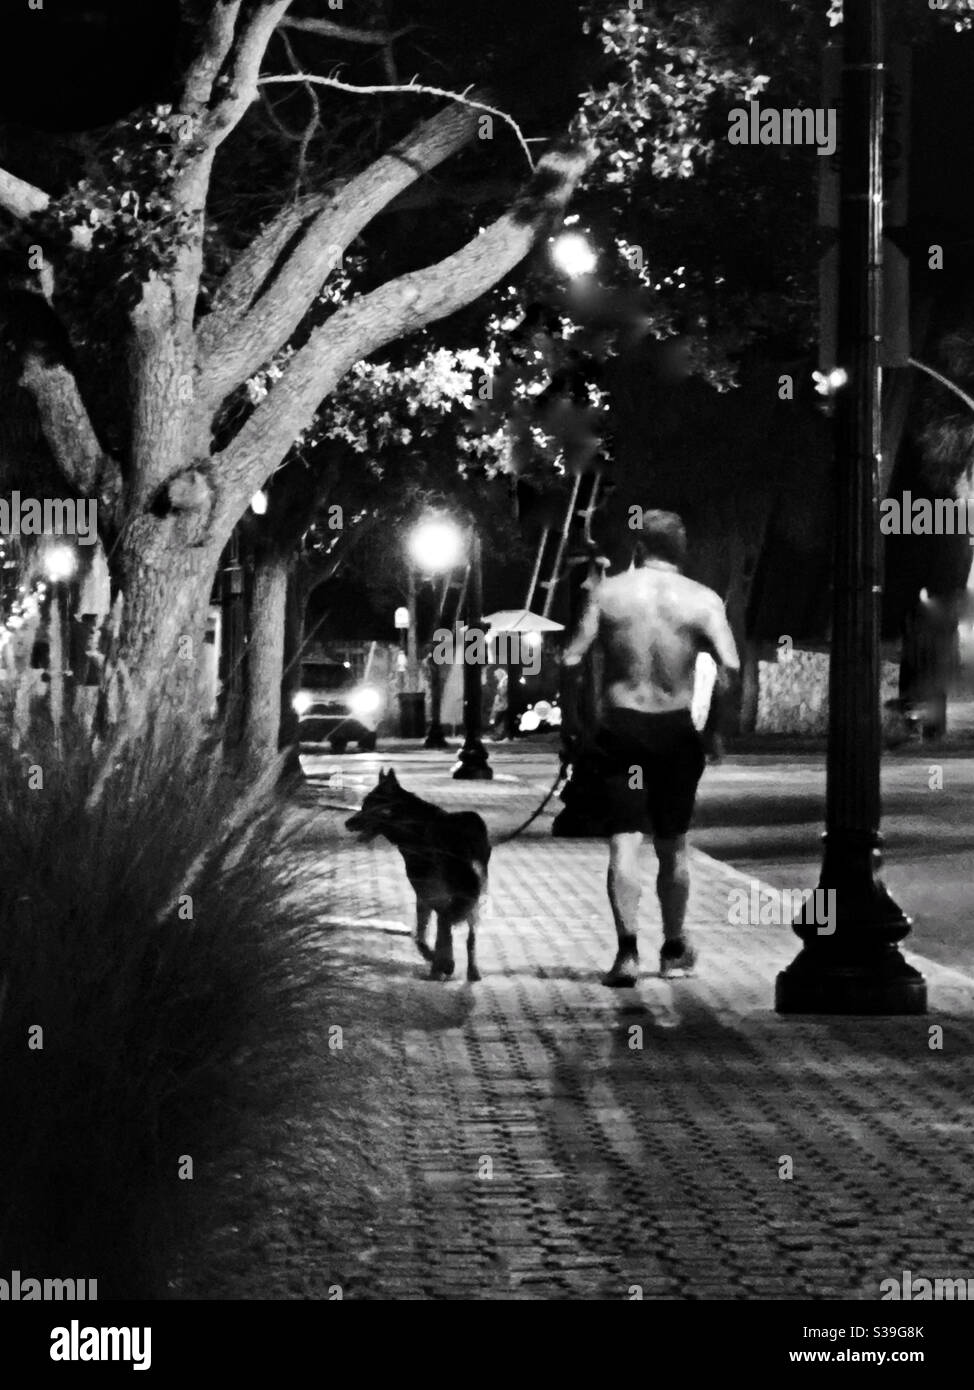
(660, 537)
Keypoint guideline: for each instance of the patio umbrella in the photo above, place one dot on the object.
(519, 620)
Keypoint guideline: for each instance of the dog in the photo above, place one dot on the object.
(446, 854)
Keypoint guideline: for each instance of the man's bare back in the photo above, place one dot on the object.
(651, 623)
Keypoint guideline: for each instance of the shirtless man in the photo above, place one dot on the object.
(651, 622)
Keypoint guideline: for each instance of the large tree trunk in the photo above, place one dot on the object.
(265, 660)
(166, 587)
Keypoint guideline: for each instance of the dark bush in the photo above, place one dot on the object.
(152, 924)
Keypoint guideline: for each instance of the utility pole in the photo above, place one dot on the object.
(852, 963)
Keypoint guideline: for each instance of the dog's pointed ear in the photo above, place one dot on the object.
(382, 775)
(392, 777)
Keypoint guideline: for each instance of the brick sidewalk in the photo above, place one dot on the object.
(539, 1136)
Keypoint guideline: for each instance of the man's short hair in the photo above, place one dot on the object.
(661, 537)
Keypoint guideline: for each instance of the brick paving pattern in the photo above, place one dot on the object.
(539, 1136)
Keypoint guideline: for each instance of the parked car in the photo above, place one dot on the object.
(334, 708)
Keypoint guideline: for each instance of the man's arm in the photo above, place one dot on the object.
(587, 630)
(720, 640)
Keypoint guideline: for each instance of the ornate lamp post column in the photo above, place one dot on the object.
(472, 763)
(60, 563)
(852, 964)
(435, 546)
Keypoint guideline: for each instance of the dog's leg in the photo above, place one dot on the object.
(423, 914)
(473, 921)
(443, 955)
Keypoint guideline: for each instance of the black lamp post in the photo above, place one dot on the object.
(853, 965)
(472, 763)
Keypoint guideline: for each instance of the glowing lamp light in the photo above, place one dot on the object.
(436, 544)
(302, 702)
(258, 503)
(573, 254)
(60, 562)
(827, 383)
(364, 702)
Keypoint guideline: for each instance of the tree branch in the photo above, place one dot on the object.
(221, 86)
(205, 68)
(393, 310)
(243, 280)
(430, 193)
(69, 432)
(241, 79)
(22, 200)
(414, 87)
(19, 198)
(234, 353)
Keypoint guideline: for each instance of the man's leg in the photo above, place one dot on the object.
(673, 890)
(672, 883)
(624, 891)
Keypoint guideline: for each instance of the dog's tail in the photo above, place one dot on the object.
(480, 870)
(469, 884)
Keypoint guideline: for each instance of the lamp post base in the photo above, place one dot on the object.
(821, 980)
(856, 966)
(472, 764)
(436, 738)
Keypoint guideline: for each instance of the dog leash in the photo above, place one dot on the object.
(560, 777)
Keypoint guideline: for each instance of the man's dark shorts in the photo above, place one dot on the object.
(650, 767)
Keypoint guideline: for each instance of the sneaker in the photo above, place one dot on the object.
(677, 958)
(624, 973)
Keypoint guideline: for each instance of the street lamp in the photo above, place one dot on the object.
(855, 966)
(401, 620)
(435, 546)
(573, 254)
(472, 763)
(60, 563)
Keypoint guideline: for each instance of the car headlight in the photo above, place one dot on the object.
(364, 702)
(302, 702)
